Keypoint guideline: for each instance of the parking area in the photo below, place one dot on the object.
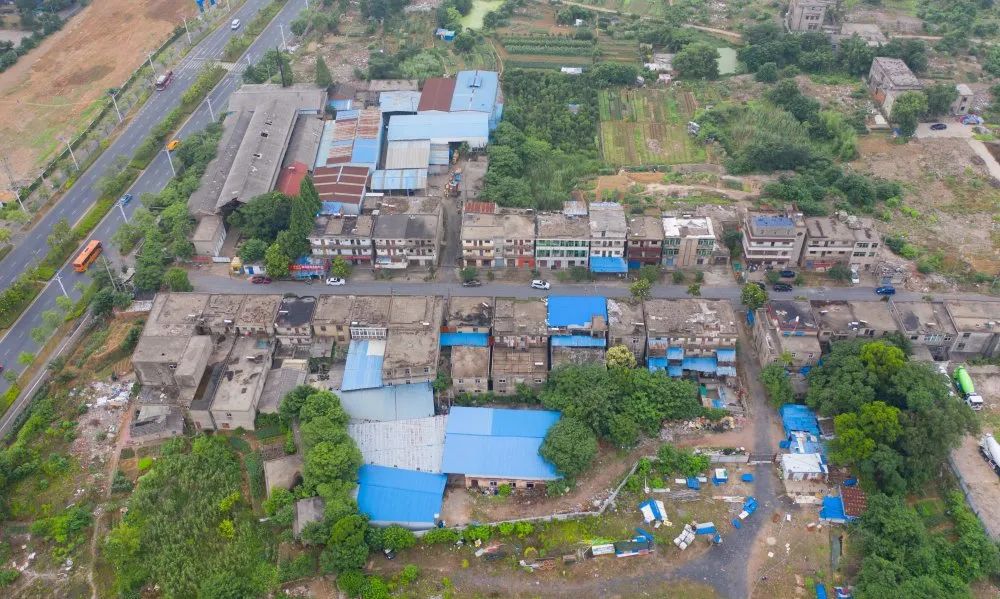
(953, 129)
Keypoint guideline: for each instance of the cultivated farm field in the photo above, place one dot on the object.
(647, 126)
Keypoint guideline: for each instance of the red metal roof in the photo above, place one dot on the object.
(344, 184)
(437, 94)
(855, 501)
(480, 207)
(291, 178)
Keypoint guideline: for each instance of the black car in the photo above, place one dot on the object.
(938, 127)
(788, 274)
(472, 283)
(762, 286)
(781, 287)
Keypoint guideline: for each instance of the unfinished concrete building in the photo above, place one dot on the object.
(520, 344)
(627, 326)
(927, 325)
(256, 316)
(470, 369)
(235, 389)
(293, 322)
(331, 320)
(691, 336)
(786, 328)
(838, 320)
(171, 356)
(412, 347)
(977, 328)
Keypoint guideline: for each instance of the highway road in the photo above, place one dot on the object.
(82, 195)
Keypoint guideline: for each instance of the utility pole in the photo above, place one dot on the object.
(281, 29)
(111, 276)
(121, 207)
(150, 55)
(281, 65)
(186, 30)
(58, 278)
(211, 112)
(171, 161)
(111, 92)
(13, 185)
(71, 154)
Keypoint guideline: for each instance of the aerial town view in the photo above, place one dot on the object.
(692, 299)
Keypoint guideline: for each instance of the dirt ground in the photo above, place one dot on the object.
(946, 183)
(788, 557)
(982, 483)
(52, 89)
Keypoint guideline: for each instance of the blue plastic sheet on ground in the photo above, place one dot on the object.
(747, 478)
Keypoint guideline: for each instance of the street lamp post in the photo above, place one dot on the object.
(121, 207)
(282, 30)
(211, 112)
(151, 66)
(111, 93)
(71, 154)
(58, 279)
(171, 161)
(186, 30)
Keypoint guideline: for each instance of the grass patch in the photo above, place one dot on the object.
(645, 127)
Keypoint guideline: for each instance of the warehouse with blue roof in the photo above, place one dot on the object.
(488, 447)
(393, 496)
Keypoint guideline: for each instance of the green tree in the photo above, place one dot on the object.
(856, 55)
(252, 251)
(767, 73)
(346, 550)
(753, 297)
(263, 217)
(777, 384)
(276, 261)
(697, 61)
(149, 264)
(839, 272)
(882, 359)
(176, 279)
(340, 268)
(570, 446)
(469, 273)
(907, 110)
(465, 42)
(323, 77)
(620, 356)
(327, 461)
(940, 97)
(397, 538)
(61, 235)
(25, 358)
(672, 460)
(641, 289)
(694, 289)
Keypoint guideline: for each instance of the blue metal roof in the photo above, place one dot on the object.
(833, 509)
(439, 126)
(575, 310)
(497, 442)
(364, 365)
(396, 496)
(726, 355)
(399, 101)
(773, 221)
(475, 90)
(466, 339)
(675, 370)
(397, 402)
(675, 353)
(726, 371)
(795, 417)
(577, 341)
(656, 363)
(608, 264)
(339, 208)
(340, 104)
(700, 364)
(399, 179)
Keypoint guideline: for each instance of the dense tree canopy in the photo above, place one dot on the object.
(571, 447)
(697, 61)
(263, 217)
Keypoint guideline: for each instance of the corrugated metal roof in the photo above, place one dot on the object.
(475, 90)
(479, 208)
(437, 94)
(343, 184)
(355, 137)
(399, 179)
(399, 101)
(397, 402)
(577, 341)
(575, 310)
(608, 264)
(472, 127)
(290, 178)
(498, 442)
(396, 496)
(700, 364)
(413, 444)
(408, 154)
(364, 365)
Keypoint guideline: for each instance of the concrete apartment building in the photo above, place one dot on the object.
(520, 344)
(209, 236)
(889, 78)
(688, 241)
(562, 241)
(627, 326)
(786, 327)
(608, 234)
(234, 391)
(412, 346)
(331, 318)
(466, 330)
(927, 325)
(171, 356)
(497, 240)
(839, 320)
(963, 102)
(408, 232)
(293, 322)
(808, 15)
(977, 328)
(687, 336)
(349, 237)
(772, 239)
(644, 241)
(257, 314)
(853, 242)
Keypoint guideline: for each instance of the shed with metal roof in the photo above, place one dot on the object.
(406, 498)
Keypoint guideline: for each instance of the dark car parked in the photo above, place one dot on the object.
(782, 287)
(788, 274)
(886, 290)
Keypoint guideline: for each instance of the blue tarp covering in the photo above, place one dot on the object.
(675, 370)
(726, 371)
(575, 310)
(498, 443)
(656, 363)
(718, 404)
(606, 264)
(795, 417)
(364, 365)
(339, 105)
(396, 402)
(725, 355)
(395, 496)
(651, 504)
(705, 528)
(750, 505)
(577, 341)
(692, 483)
(820, 591)
(833, 509)
(466, 339)
(330, 208)
(700, 364)
(747, 478)
(675, 353)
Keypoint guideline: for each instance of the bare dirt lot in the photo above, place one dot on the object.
(946, 184)
(982, 483)
(53, 89)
